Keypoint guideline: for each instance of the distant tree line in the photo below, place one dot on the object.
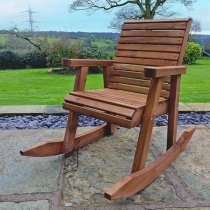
(25, 50)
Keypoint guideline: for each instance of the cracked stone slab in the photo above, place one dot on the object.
(32, 205)
(93, 169)
(193, 164)
(19, 174)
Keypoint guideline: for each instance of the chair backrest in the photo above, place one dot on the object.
(148, 43)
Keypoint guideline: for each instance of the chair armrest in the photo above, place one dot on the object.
(164, 71)
(85, 62)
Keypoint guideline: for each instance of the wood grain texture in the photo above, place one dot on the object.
(184, 44)
(80, 80)
(101, 106)
(150, 47)
(145, 61)
(168, 20)
(154, 26)
(147, 125)
(149, 33)
(106, 75)
(173, 106)
(151, 40)
(70, 132)
(143, 54)
(55, 147)
(108, 117)
(164, 71)
(85, 62)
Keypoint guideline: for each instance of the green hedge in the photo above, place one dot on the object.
(35, 59)
(13, 60)
(92, 53)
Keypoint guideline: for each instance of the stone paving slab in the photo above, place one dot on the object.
(208, 126)
(44, 109)
(19, 174)
(55, 110)
(99, 165)
(184, 107)
(205, 107)
(28, 205)
(193, 165)
(22, 109)
(91, 170)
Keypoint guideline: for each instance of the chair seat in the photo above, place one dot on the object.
(113, 106)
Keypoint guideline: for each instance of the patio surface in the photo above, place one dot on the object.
(79, 180)
(45, 109)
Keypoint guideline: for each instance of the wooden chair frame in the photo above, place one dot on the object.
(140, 176)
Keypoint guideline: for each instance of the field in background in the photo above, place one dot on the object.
(37, 86)
(103, 42)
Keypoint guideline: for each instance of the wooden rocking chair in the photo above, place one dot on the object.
(142, 82)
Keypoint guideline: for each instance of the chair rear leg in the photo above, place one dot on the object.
(70, 133)
(173, 110)
(110, 129)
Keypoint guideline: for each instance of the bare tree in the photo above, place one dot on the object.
(40, 43)
(196, 26)
(130, 9)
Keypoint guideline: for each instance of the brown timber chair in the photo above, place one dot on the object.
(142, 82)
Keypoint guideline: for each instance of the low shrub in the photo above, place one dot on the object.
(192, 53)
(59, 49)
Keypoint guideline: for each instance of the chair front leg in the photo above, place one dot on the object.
(70, 133)
(147, 124)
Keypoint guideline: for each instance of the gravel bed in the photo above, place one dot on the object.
(59, 121)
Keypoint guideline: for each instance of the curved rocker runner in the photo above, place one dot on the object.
(142, 82)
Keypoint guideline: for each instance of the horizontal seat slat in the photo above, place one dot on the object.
(111, 99)
(142, 54)
(149, 47)
(144, 61)
(100, 105)
(118, 96)
(152, 26)
(100, 115)
(148, 33)
(150, 40)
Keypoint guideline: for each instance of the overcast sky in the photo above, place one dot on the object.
(54, 15)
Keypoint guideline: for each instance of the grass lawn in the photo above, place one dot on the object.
(195, 85)
(37, 86)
